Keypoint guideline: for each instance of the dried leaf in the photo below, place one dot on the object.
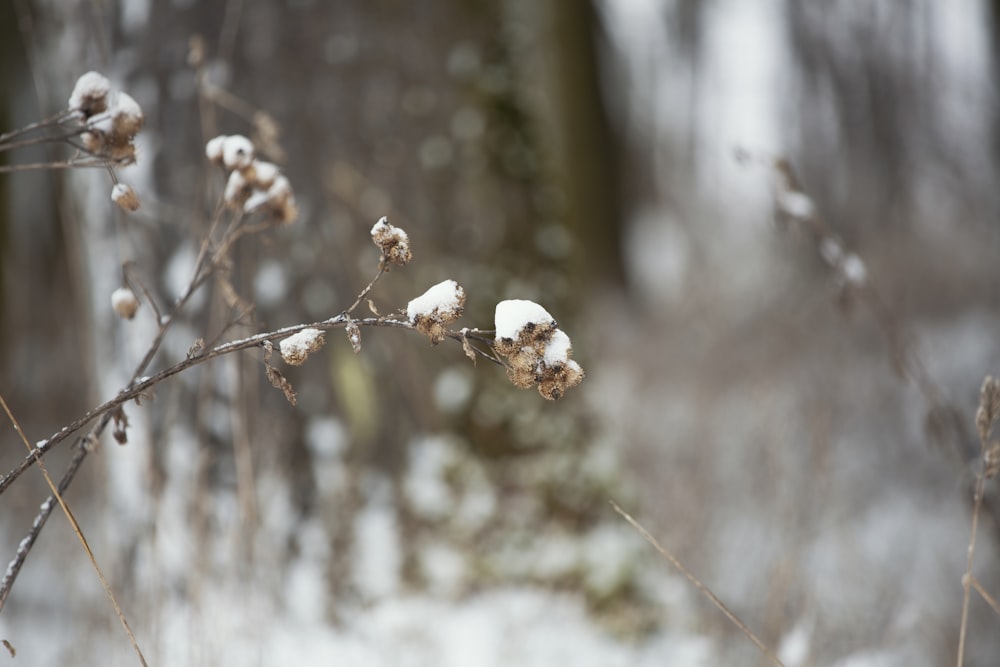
(470, 351)
(274, 376)
(121, 424)
(371, 307)
(10, 648)
(196, 348)
(354, 334)
(279, 381)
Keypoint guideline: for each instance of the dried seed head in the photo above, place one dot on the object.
(519, 322)
(297, 347)
(125, 303)
(557, 380)
(537, 351)
(392, 241)
(261, 174)
(90, 94)
(124, 196)
(237, 191)
(237, 152)
(126, 117)
(438, 306)
(276, 200)
(112, 118)
(213, 149)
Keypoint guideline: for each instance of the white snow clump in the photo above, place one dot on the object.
(297, 347)
(514, 315)
(124, 196)
(124, 302)
(253, 185)
(440, 305)
(90, 94)
(392, 241)
(537, 351)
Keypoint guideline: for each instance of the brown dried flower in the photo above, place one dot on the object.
(392, 241)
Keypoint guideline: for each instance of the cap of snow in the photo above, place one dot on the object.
(236, 188)
(90, 92)
(854, 270)
(126, 114)
(445, 297)
(558, 349)
(125, 197)
(297, 347)
(125, 303)
(264, 173)
(237, 152)
(513, 315)
(213, 149)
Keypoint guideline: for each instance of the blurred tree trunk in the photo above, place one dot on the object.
(587, 153)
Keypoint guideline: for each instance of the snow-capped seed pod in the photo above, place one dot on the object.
(126, 117)
(213, 149)
(854, 271)
(262, 174)
(237, 191)
(237, 152)
(556, 381)
(392, 241)
(124, 196)
(124, 302)
(795, 204)
(90, 94)
(297, 347)
(440, 305)
(519, 322)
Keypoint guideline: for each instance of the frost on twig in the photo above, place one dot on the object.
(537, 351)
(435, 308)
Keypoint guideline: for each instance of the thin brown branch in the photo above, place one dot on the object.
(63, 164)
(699, 585)
(987, 598)
(79, 533)
(52, 121)
(967, 578)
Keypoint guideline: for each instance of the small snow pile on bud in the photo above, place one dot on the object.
(90, 94)
(435, 308)
(125, 303)
(537, 351)
(854, 271)
(297, 347)
(831, 250)
(795, 204)
(392, 241)
(254, 185)
(111, 118)
(124, 196)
